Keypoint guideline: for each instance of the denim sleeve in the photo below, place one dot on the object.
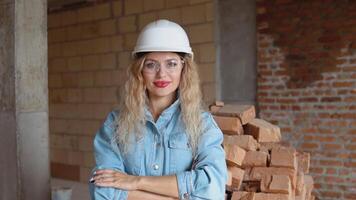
(208, 176)
(107, 156)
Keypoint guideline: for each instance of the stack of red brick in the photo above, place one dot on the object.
(260, 167)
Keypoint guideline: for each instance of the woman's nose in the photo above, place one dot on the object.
(161, 72)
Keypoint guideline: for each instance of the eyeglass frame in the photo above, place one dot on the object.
(158, 65)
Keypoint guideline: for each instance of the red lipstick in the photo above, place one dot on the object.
(161, 84)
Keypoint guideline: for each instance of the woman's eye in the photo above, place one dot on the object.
(150, 65)
(171, 64)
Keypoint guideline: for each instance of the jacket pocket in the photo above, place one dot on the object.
(180, 152)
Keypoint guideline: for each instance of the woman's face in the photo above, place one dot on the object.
(161, 73)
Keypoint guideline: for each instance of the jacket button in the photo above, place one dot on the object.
(155, 167)
(186, 196)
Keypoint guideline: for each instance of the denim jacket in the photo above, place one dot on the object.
(165, 150)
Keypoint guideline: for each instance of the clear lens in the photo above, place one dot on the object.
(170, 66)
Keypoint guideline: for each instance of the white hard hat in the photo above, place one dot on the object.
(162, 35)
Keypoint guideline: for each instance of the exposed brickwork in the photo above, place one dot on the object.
(306, 85)
(89, 50)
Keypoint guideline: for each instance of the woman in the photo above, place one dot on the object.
(160, 141)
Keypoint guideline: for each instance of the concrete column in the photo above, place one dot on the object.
(236, 51)
(24, 149)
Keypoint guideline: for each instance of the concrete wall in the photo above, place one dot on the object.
(8, 143)
(89, 51)
(24, 164)
(236, 66)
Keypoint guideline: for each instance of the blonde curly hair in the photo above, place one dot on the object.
(131, 119)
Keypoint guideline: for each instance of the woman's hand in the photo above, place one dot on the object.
(116, 179)
(158, 186)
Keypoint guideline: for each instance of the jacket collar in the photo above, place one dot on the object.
(167, 113)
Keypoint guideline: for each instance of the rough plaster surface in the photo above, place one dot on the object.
(7, 91)
(34, 154)
(31, 56)
(8, 162)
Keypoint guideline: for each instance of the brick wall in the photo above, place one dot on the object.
(89, 50)
(307, 84)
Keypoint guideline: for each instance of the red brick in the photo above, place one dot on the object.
(237, 176)
(351, 147)
(247, 174)
(343, 84)
(310, 146)
(251, 186)
(300, 184)
(214, 108)
(308, 99)
(229, 125)
(351, 195)
(276, 184)
(309, 185)
(330, 99)
(332, 147)
(258, 172)
(333, 179)
(283, 157)
(245, 112)
(255, 159)
(229, 177)
(317, 170)
(331, 163)
(301, 195)
(246, 142)
(241, 195)
(266, 150)
(269, 145)
(234, 154)
(219, 103)
(263, 131)
(303, 160)
(329, 194)
(267, 196)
